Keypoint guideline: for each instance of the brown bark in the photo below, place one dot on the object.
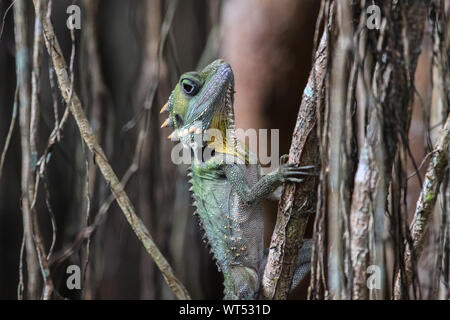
(297, 200)
(425, 205)
(389, 117)
(23, 76)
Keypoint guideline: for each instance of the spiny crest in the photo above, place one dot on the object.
(205, 239)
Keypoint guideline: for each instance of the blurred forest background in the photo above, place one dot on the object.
(127, 57)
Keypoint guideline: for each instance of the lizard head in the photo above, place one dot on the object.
(201, 101)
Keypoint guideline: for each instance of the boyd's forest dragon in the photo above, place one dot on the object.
(226, 184)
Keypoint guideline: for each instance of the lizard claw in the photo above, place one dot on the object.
(300, 171)
(292, 172)
(296, 180)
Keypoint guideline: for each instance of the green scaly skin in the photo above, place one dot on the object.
(227, 189)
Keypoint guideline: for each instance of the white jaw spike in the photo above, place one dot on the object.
(164, 108)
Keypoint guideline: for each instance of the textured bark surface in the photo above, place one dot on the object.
(425, 204)
(23, 79)
(389, 119)
(298, 200)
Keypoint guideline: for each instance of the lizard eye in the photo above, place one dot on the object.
(189, 87)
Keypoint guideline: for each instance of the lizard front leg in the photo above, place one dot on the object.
(267, 184)
(243, 281)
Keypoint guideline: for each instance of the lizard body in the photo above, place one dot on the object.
(226, 185)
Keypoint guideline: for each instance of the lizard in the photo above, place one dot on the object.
(226, 183)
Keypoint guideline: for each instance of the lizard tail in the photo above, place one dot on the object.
(303, 264)
(241, 283)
